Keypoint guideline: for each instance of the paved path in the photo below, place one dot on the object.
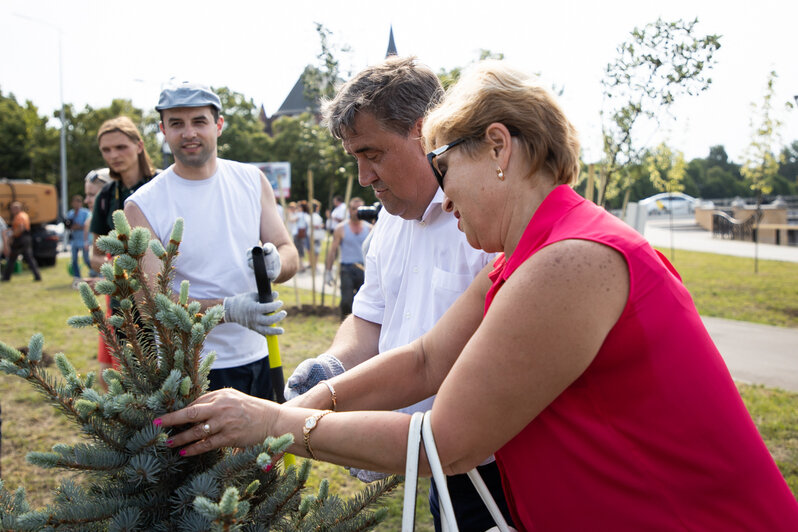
(754, 353)
(687, 235)
(758, 354)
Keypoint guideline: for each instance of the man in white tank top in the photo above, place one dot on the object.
(228, 207)
(349, 236)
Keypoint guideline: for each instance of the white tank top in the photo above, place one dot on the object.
(222, 220)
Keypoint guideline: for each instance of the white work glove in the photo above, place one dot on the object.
(245, 310)
(328, 277)
(310, 372)
(364, 475)
(272, 259)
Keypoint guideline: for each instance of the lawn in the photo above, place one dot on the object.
(30, 424)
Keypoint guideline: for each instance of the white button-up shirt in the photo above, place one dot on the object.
(414, 272)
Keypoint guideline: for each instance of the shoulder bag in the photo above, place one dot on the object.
(421, 430)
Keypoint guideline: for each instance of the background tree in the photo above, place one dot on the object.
(761, 165)
(243, 138)
(657, 65)
(788, 168)
(666, 171)
(14, 137)
(28, 148)
(450, 77)
(320, 80)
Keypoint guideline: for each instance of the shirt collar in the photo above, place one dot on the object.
(434, 208)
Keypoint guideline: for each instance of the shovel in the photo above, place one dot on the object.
(275, 362)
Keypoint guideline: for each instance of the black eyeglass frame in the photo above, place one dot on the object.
(440, 151)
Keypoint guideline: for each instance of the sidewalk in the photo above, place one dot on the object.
(757, 354)
(691, 237)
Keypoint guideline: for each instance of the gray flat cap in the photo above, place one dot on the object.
(187, 95)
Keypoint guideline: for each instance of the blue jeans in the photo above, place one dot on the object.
(352, 279)
(75, 264)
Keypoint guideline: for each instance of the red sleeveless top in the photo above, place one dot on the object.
(653, 435)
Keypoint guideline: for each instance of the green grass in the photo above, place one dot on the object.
(727, 287)
(29, 424)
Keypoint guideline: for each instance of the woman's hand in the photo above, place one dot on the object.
(223, 418)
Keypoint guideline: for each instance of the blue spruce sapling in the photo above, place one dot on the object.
(131, 480)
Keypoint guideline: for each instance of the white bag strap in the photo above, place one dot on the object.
(421, 428)
(487, 498)
(411, 472)
(448, 520)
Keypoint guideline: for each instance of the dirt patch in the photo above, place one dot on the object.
(47, 359)
(312, 310)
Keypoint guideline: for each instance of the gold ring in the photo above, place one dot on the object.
(207, 429)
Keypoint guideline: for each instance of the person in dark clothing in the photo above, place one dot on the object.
(19, 235)
(349, 236)
(129, 167)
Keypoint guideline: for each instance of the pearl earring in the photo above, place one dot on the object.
(500, 174)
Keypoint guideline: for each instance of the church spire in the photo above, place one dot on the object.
(391, 45)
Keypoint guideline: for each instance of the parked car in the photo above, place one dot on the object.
(45, 244)
(669, 202)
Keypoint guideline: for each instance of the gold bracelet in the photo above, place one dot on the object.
(311, 422)
(332, 393)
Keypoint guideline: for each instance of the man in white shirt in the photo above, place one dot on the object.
(418, 261)
(338, 213)
(227, 207)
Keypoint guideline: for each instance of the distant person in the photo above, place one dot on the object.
(302, 232)
(92, 185)
(317, 221)
(20, 242)
(349, 237)
(129, 167)
(338, 213)
(4, 241)
(77, 221)
(228, 208)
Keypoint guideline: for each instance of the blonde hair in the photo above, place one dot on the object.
(492, 92)
(124, 125)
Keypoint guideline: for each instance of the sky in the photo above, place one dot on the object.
(111, 49)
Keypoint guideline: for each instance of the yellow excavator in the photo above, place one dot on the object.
(40, 201)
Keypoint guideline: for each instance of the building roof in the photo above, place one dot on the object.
(296, 103)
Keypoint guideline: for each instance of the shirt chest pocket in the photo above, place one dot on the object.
(446, 288)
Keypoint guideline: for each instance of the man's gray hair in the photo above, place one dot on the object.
(397, 92)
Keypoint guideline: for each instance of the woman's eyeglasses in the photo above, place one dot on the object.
(440, 151)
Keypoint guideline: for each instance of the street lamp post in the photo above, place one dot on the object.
(63, 128)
